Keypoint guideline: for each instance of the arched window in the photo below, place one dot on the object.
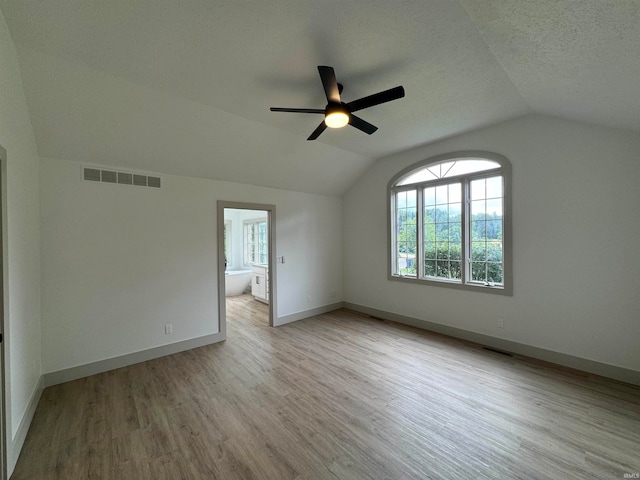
(450, 222)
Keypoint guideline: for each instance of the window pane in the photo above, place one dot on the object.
(494, 251)
(411, 198)
(441, 194)
(406, 232)
(478, 271)
(435, 170)
(430, 268)
(418, 177)
(478, 209)
(401, 199)
(494, 273)
(462, 167)
(494, 229)
(442, 232)
(406, 264)
(429, 196)
(442, 251)
(494, 187)
(478, 230)
(402, 217)
(443, 229)
(455, 192)
(429, 233)
(445, 169)
(442, 214)
(478, 189)
(478, 251)
(430, 250)
(430, 217)
(455, 231)
(494, 208)
(448, 169)
(455, 270)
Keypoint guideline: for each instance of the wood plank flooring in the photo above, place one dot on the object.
(337, 396)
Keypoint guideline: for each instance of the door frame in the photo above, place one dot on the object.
(3, 285)
(271, 235)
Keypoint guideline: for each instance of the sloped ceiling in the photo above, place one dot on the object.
(185, 87)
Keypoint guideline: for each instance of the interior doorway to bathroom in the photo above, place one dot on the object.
(246, 261)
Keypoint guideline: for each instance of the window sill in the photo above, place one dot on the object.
(470, 287)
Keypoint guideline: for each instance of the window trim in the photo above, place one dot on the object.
(228, 239)
(505, 170)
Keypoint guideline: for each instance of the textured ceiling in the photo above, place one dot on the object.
(185, 87)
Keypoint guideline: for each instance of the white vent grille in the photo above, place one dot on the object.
(140, 180)
(92, 174)
(123, 178)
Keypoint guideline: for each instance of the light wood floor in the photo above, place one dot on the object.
(337, 396)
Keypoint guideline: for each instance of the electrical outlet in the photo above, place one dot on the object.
(168, 329)
(501, 323)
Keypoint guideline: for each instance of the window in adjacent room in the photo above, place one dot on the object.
(255, 242)
(450, 222)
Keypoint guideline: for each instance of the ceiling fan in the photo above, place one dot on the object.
(337, 113)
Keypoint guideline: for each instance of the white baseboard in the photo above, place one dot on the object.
(14, 446)
(590, 366)
(294, 317)
(101, 366)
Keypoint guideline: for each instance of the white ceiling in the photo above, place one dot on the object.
(185, 87)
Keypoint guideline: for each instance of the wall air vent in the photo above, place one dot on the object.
(92, 174)
(140, 180)
(123, 178)
(109, 176)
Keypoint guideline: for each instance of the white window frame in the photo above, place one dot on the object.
(466, 283)
(228, 237)
(257, 251)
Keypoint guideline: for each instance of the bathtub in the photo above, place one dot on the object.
(236, 282)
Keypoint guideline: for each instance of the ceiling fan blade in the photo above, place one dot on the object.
(330, 84)
(376, 99)
(316, 133)
(361, 124)
(297, 110)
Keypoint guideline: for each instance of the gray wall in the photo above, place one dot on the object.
(576, 191)
(21, 242)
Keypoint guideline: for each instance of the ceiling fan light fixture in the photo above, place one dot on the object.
(337, 114)
(336, 119)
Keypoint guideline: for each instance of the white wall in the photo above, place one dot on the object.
(21, 240)
(576, 192)
(119, 262)
(237, 217)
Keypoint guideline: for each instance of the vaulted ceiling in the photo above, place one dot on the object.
(185, 87)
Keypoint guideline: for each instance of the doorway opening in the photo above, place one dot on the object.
(246, 254)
